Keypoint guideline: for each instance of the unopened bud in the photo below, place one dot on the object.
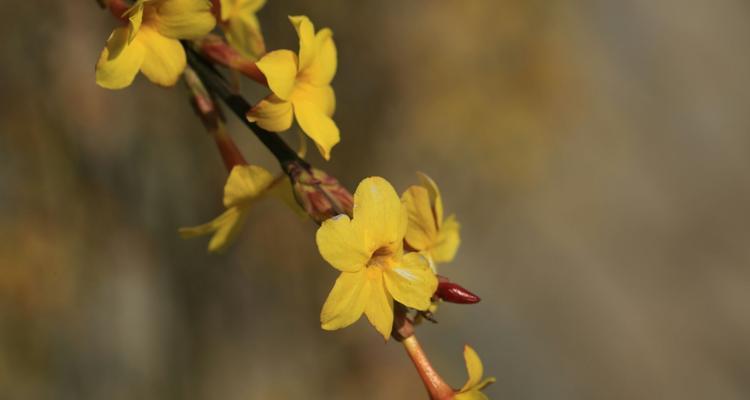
(319, 194)
(454, 293)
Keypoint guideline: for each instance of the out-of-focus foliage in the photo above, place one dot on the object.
(596, 153)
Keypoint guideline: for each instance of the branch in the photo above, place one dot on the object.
(338, 200)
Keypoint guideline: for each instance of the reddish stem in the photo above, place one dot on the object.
(436, 386)
(230, 153)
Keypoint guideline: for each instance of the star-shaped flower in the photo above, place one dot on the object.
(241, 26)
(301, 87)
(427, 232)
(150, 42)
(472, 389)
(368, 250)
(246, 183)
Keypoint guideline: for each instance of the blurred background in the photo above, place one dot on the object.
(596, 153)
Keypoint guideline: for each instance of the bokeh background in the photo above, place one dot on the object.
(597, 154)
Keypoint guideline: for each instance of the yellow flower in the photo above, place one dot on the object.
(472, 389)
(241, 26)
(150, 42)
(245, 184)
(368, 250)
(427, 231)
(301, 87)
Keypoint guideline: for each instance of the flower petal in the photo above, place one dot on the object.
(272, 114)
(341, 243)
(135, 18)
(184, 19)
(435, 198)
(307, 45)
(322, 96)
(412, 283)
(346, 301)
(379, 307)
(119, 61)
(486, 382)
(448, 240)
(317, 125)
(243, 33)
(230, 8)
(322, 68)
(225, 228)
(379, 212)
(474, 368)
(245, 183)
(421, 232)
(280, 70)
(164, 60)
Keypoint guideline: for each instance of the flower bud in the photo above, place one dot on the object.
(454, 293)
(319, 194)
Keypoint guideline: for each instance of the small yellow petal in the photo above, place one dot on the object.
(230, 8)
(422, 231)
(322, 68)
(243, 33)
(135, 18)
(280, 70)
(412, 283)
(378, 210)
(341, 243)
(272, 114)
(225, 228)
(435, 198)
(484, 383)
(164, 60)
(250, 6)
(317, 125)
(474, 368)
(245, 183)
(346, 302)
(379, 308)
(119, 61)
(445, 247)
(183, 19)
(307, 45)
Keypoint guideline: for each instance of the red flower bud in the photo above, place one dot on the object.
(455, 293)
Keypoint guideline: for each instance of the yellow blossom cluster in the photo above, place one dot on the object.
(300, 83)
(385, 246)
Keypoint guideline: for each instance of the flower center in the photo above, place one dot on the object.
(382, 257)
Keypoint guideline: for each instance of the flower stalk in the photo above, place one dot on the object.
(433, 382)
